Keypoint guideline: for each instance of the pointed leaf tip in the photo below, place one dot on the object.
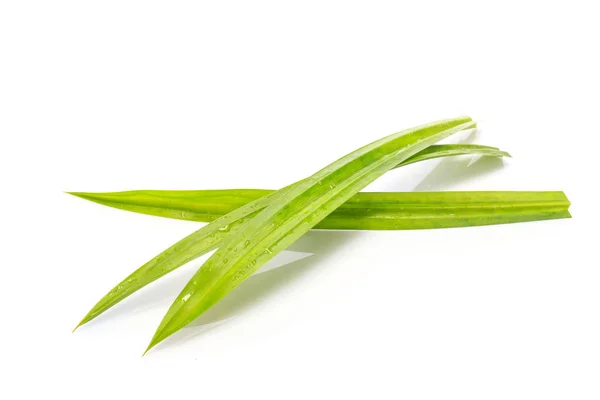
(82, 195)
(152, 343)
(82, 322)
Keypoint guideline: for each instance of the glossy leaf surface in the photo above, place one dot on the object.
(208, 205)
(242, 204)
(291, 213)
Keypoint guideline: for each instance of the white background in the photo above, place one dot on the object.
(117, 95)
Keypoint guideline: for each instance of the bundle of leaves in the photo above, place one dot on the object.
(248, 227)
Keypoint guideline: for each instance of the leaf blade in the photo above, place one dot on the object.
(187, 249)
(290, 216)
(208, 205)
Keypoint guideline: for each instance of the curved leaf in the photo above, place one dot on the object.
(291, 213)
(247, 203)
(207, 205)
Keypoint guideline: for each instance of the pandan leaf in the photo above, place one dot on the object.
(389, 210)
(207, 205)
(239, 206)
(290, 214)
(431, 210)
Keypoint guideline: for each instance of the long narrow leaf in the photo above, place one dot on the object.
(432, 210)
(294, 212)
(207, 205)
(234, 211)
(381, 210)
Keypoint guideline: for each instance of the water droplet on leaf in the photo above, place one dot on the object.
(224, 228)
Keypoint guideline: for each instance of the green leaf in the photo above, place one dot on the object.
(446, 150)
(207, 205)
(291, 213)
(240, 206)
(407, 210)
(432, 210)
